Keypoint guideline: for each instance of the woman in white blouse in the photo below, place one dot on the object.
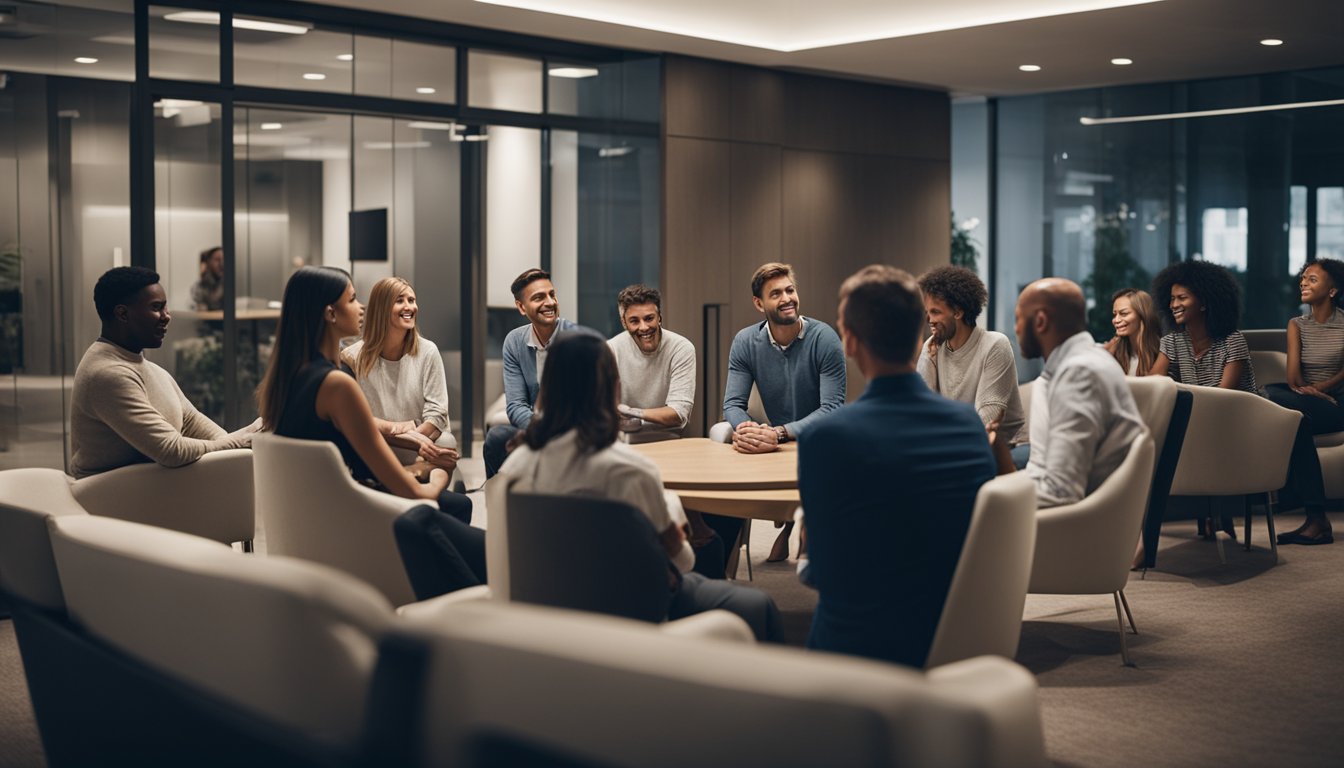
(401, 375)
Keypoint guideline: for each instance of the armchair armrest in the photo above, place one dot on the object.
(435, 607)
(711, 625)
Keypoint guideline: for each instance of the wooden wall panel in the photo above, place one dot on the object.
(697, 98)
(756, 211)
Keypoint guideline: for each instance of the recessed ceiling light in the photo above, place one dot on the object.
(1122, 62)
(346, 57)
(430, 126)
(85, 60)
(1030, 68)
(424, 89)
(573, 72)
(314, 76)
(272, 126)
(210, 17)
(1271, 41)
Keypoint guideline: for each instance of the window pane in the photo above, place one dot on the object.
(66, 40)
(1297, 229)
(298, 58)
(404, 70)
(1330, 223)
(183, 44)
(619, 89)
(504, 82)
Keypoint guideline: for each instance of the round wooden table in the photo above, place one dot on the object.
(712, 477)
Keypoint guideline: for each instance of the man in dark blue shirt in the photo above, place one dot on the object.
(900, 464)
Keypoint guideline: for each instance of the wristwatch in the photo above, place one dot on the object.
(782, 434)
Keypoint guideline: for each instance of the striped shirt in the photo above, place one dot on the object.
(1322, 348)
(1207, 369)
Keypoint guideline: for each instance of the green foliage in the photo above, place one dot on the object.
(964, 250)
(1113, 268)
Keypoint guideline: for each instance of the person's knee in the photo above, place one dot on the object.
(721, 432)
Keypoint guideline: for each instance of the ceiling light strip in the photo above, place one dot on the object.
(1209, 112)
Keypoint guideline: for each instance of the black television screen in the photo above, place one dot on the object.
(368, 235)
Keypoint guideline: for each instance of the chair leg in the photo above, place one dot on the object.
(1222, 555)
(1129, 615)
(1272, 499)
(1120, 625)
(1247, 526)
(746, 545)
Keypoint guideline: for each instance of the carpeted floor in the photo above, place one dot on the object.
(1237, 664)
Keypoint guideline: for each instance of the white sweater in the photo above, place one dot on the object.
(982, 372)
(410, 389)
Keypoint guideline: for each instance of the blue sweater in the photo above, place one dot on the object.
(899, 466)
(520, 372)
(797, 385)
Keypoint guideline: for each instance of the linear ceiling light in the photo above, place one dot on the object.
(760, 23)
(210, 17)
(572, 72)
(426, 125)
(1210, 112)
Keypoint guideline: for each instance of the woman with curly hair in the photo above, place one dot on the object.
(1138, 330)
(1315, 384)
(1202, 302)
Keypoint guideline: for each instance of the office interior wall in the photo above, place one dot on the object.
(827, 175)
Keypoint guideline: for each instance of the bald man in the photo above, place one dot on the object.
(1083, 416)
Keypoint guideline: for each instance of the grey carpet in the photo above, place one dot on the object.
(1237, 664)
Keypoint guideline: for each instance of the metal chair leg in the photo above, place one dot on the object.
(1120, 625)
(1128, 614)
(746, 545)
(1273, 501)
(1246, 534)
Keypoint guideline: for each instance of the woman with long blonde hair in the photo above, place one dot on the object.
(1138, 331)
(401, 375)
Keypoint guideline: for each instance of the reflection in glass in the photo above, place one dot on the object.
(626, 89)
(309, 60)
(183, 44)
(1330, 222)
(496, 81)
(71, 40)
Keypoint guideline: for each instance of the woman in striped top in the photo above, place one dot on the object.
(1316, 374)
(1202, 302)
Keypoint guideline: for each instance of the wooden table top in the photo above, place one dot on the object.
(696, 463)
(264, 313)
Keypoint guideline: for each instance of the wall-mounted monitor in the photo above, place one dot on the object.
(368, 235)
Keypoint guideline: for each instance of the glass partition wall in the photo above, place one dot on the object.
(382, 145)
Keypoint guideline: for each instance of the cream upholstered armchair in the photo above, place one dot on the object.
(1085, 548)
(983, 611)
(512, 671)
(311, 508)
(28, 497)
(1237, 444)
(211, 497)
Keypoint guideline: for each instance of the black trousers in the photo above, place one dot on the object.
(1304, 469)
(440, 553)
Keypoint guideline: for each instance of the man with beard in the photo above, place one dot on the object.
(1083, 416)
(657, 368)
(961, 360)
(798, 366)
(524, 360)
(123, 408)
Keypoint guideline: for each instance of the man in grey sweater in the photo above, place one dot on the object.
(124, 409)
(657, 368)
(961, 360)
(798, 366)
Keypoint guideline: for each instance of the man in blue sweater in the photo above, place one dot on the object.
(798, 367)
(899, 464)
(524, 359)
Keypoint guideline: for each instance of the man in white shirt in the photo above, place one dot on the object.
(657, 368)
(1083, 416)
(961, 360)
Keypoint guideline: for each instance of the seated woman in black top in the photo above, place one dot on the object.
(307, 394)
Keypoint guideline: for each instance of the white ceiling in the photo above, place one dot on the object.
(1167, 40)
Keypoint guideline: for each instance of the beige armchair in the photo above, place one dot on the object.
(211, 497)
(1270, 367)
(311, 508)
(1085, 548)
(1237, 444)
(518, 670)
(983, 611)
(28, 497)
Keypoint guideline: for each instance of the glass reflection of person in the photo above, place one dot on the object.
(207, 294)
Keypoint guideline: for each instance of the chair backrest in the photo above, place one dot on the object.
(1086, 548)
(1269, 339)
(586, 554)
(983, 611)
(607, 691)
(1270, 366)
(212, 497)
(1155, 397)
(27, 498)
(290, 641)
(1237, 443)
(311, 508)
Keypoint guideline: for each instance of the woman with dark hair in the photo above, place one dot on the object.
(308, 394)
(571, 448)
(1203, 304)
(1315, 384)
(1138, 330)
